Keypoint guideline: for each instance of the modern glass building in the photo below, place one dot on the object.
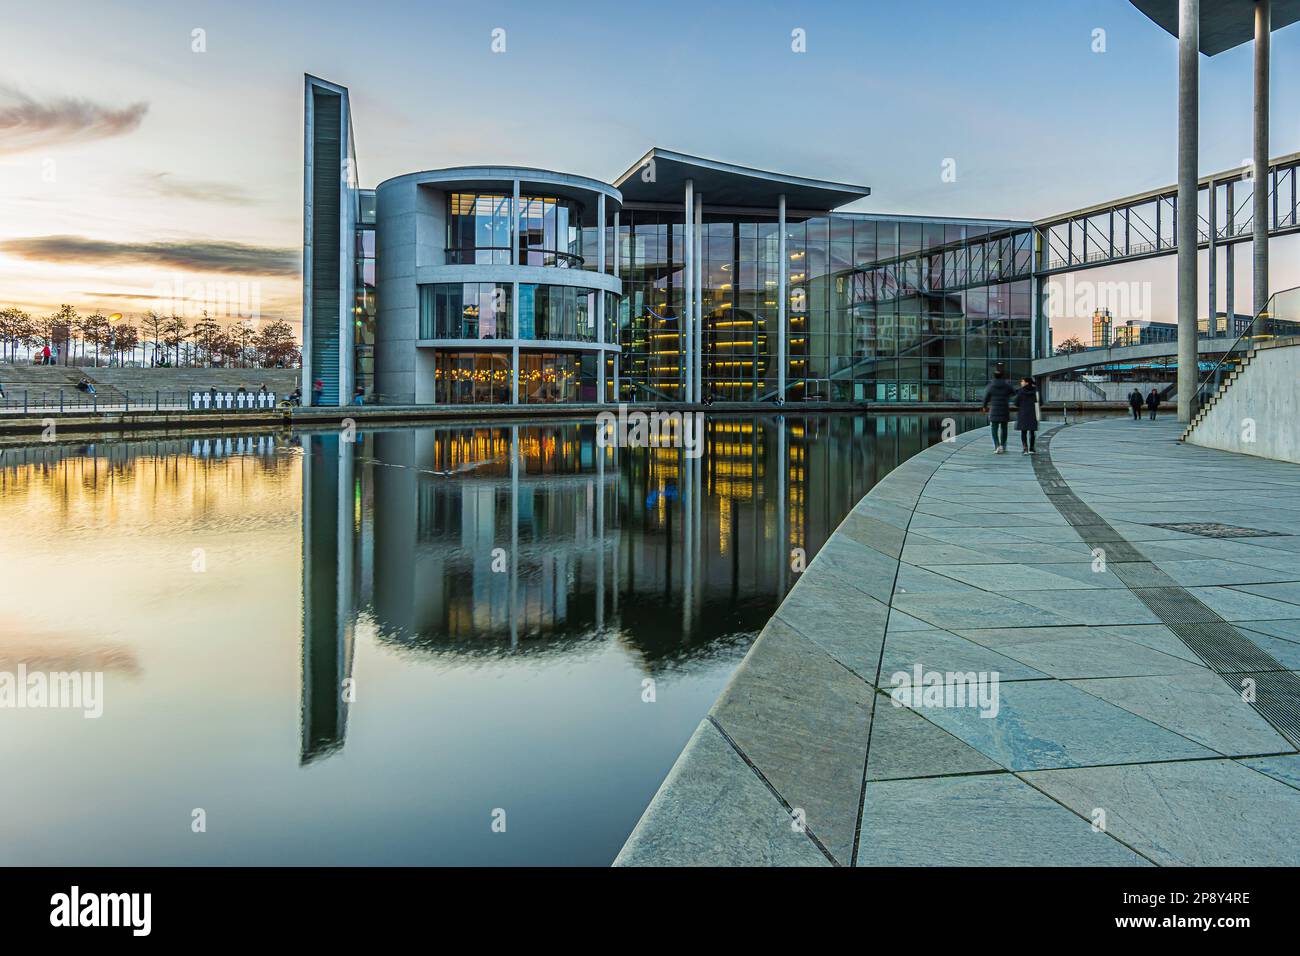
(684, 279)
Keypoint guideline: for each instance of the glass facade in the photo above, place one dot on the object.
(878, 309)
(553, 377)
(465, 310)
(472, 378)
(365, 309)
(478, 230)
(482, 310)
(483, 377)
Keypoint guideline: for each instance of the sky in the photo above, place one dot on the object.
(145, 165)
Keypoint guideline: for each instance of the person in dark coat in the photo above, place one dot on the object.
(1026, 405)
(1135, 403)
(1153, 402)
(997, 405)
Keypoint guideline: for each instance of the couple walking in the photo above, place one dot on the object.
(1135, 403)
(999, 398)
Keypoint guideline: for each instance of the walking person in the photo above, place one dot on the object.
(45, 354)
(1135, 403)
(997, 405)
(1153, 402)
(1026, 403)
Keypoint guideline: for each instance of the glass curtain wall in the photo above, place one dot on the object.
(879, 310)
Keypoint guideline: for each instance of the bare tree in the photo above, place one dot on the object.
(174, 329)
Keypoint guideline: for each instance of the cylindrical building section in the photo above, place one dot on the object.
(489, 287)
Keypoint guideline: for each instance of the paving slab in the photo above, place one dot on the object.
(986, 820)
(904, 745)
(1285, 768)
(713, 810)
(1198, 705)
(803, 721)
(1042, 724)
(1187, 813)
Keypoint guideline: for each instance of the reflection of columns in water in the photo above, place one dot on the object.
(599, 454)
(327, 561)
(697, 499)
(513, 608)
(687, 503)
(783, 553)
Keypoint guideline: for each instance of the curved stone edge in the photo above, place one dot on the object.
(773, 775)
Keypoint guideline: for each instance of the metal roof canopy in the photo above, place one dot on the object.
(1224, 23)
(726, 185)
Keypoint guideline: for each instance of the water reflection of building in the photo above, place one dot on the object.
(328, 594)
(464, 543)
(493, 539)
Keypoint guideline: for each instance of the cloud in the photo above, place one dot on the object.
(199, 190)
(26, 123)
(198, 256)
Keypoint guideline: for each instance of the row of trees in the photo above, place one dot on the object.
(162, 339)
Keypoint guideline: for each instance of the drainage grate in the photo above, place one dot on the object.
(1140, 574)
(1212, 529)
(1173, 605)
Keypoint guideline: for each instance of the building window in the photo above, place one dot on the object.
(547, 378)
(478, 230)
(555, 312)
(465, 310)
(472, 378)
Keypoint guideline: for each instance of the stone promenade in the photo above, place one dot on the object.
(1106, 636)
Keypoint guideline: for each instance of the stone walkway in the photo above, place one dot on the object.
(1146, 708)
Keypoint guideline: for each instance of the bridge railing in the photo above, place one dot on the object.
(1279, 317)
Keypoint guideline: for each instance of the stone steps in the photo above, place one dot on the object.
(1223, 387)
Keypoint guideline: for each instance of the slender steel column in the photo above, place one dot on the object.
(1229, 262)
(684, 323)
(618, 269)
(783, 271)
(697, 347)
(600, 300)
(1189, 17)
(1263, 24)
(1212, 262)
(514, 225)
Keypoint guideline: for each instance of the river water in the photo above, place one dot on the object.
(436, 645)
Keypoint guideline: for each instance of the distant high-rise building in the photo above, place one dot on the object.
(1101, 328)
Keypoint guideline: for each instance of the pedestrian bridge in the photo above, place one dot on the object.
(1125, 354)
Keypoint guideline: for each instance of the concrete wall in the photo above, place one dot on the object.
(1114, 391)
(1267, 394)
(410, 233)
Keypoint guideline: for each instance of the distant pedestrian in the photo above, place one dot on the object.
(1153, 402)
(359, 396)
(317, 391)
(1135, 403)
(45, 355)
(997, 405)
(1026, 403)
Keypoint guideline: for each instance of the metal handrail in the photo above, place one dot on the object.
(1210, 376)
